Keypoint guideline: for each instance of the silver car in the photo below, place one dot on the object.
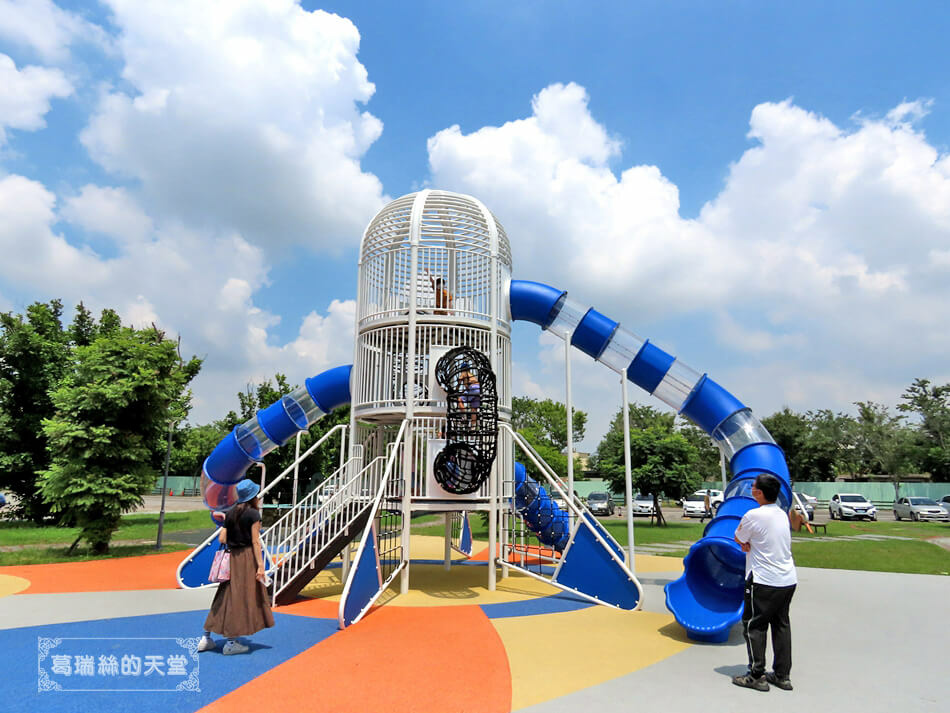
(642, 504)
(944, 502)
(920, 509)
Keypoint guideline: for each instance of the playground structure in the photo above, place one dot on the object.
(435, 290)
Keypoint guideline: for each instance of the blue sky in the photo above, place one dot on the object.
(762, 190)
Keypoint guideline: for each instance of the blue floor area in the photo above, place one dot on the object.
(217, 675)
(531, 607)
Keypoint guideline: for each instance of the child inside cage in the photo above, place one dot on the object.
(471, 397)
(443, 298)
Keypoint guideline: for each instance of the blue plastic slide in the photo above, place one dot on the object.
(707, 599)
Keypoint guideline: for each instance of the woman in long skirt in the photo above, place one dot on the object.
(240, 606)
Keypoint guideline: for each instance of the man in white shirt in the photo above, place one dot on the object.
(765, 537)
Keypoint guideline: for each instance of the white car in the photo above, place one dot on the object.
(919, 509)
(844, 506)
(695, 505)
(642, 504)
(944, 502)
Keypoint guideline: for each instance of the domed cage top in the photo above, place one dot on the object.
(455, 238)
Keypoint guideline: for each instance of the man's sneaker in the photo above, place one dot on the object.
(782, 683)
(235, 647)
(206, 644)
(747, 680)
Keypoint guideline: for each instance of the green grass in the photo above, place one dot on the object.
(914, 557)
(132, 527)
(81, 554)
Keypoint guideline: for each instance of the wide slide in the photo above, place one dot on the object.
(708, 599)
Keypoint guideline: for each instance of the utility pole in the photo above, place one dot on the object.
(161, 514)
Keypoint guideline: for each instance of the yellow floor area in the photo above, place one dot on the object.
(600, 644)
(11, 585)
(431, 585)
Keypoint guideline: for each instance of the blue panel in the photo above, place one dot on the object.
(365, 583)
(709, 405)
(588, 567)
(760, 456)
(228, 461)
(534, 302)
(330, 388)
(603, 533)
(277, 423)
(593, 333)
(195, 572)
(649, 367)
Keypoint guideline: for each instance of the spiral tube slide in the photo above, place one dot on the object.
(544, 518)
(708, 599)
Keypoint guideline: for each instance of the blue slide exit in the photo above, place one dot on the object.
(708, 599)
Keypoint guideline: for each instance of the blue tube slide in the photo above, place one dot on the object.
(708, 599)
(250, 442)
(270, 428)
(550, 524)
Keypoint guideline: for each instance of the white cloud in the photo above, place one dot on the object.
(25, 95)
(197, 285)
(824, 253)
(46, 29)
(242, 115)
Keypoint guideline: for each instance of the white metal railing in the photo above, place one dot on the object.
(389, 489)
(292, 468)
(302, 534)
(575, 505)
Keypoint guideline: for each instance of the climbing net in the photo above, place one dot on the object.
(471, 429)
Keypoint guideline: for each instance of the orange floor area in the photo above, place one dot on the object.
(389, 662)
(120, 574)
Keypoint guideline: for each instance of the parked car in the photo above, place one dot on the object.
(944, 502)
(809, 499)
(844, 506)
(919, 509)
(600, 503)
(808, 504)
(642, 504)
(695, 505)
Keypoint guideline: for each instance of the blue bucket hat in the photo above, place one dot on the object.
(247, 490)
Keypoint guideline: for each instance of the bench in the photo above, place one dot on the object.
(189, 491)
(822, 525)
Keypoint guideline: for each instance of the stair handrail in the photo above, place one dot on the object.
(391, 459)
(341, 500)
(555, 480)
(290, 520)
(263, 492)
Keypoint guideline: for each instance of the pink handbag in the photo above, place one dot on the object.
(220, 567)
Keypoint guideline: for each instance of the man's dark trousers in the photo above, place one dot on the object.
(765, 607)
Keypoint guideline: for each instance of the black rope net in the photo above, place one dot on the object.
(471, 430)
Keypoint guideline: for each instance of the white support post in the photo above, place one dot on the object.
(296, 465)
(570, 420)
(492, 525)
(722, 469)
(627, 473)
(448, 541)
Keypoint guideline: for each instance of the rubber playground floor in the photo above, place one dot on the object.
(863, 641)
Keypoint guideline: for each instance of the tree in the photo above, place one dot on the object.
(931, 404)
(884, 444)
(107, 434)
(662, 459)
(544, 425)
(34, 353)
(790, 431)
(191, 445)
